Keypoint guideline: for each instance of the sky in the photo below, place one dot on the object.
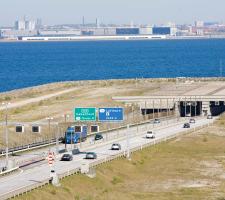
(112, 11)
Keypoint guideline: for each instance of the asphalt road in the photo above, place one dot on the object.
(36, 154)
(39, 173)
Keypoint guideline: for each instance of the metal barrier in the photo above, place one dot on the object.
(50, 142)
(26, 189)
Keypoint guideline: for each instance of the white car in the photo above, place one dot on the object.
(209, 117)
(150, 135)
(156, 121)
(116, 147)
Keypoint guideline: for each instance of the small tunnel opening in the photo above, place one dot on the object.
(190, 109)
(217, 107)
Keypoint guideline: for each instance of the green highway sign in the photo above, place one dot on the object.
(85, 114)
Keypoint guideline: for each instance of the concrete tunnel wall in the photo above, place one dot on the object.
(189, 108)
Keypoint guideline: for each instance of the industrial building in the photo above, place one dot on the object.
(161, 30)
(29, 28)
(127, 31)
(28, 25)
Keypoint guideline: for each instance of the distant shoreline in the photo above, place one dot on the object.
(110, 38)
(83, 82)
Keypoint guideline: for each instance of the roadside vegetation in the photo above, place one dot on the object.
(85, 93)
(191, 167)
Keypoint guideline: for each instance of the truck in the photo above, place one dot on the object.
(76, 134)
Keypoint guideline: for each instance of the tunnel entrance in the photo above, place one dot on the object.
(217, 107)
(190, 109)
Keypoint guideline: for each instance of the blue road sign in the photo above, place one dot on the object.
(110, 114)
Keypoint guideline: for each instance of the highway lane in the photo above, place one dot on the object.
(111, 135)
(40, 173)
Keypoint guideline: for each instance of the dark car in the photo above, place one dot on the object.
(98, 137)
(1, 151)
(91, 155)
(67, 157)
(62, 140)
(192, 121)
(76, 151)
(116, 147)
(186, 125)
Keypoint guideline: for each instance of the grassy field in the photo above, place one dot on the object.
(86, 93)
(191, 167)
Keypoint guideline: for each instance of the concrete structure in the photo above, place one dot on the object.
(59, 32)
(185, 99)
(185, 106)
(89, 37)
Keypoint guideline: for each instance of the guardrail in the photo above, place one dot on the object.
(3, 173)
(148, 144)
(26, 189)
(53, 141)
(29, 147)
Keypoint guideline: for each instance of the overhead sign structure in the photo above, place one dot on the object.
(110, 114)
(85, 114)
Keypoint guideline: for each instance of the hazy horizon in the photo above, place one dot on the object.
(117, 12)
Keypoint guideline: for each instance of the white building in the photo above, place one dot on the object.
(199, 24)
(20, 25)
(145, 30)
(173, 31)
(30, 25)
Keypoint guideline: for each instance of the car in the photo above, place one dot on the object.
(98, 137)
(150, 135)
(157, 121)
(188, 115)
(66, 157)
(116, 147)
(186, 125)
(192, 121)
(209, 117)
(76, 151)
(91, 155)
(62, 140)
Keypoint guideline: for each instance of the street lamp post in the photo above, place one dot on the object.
(57, 138)
(6, 134)
(65, 116)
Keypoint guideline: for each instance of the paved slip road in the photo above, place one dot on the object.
(39, 173)
(37, 99)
